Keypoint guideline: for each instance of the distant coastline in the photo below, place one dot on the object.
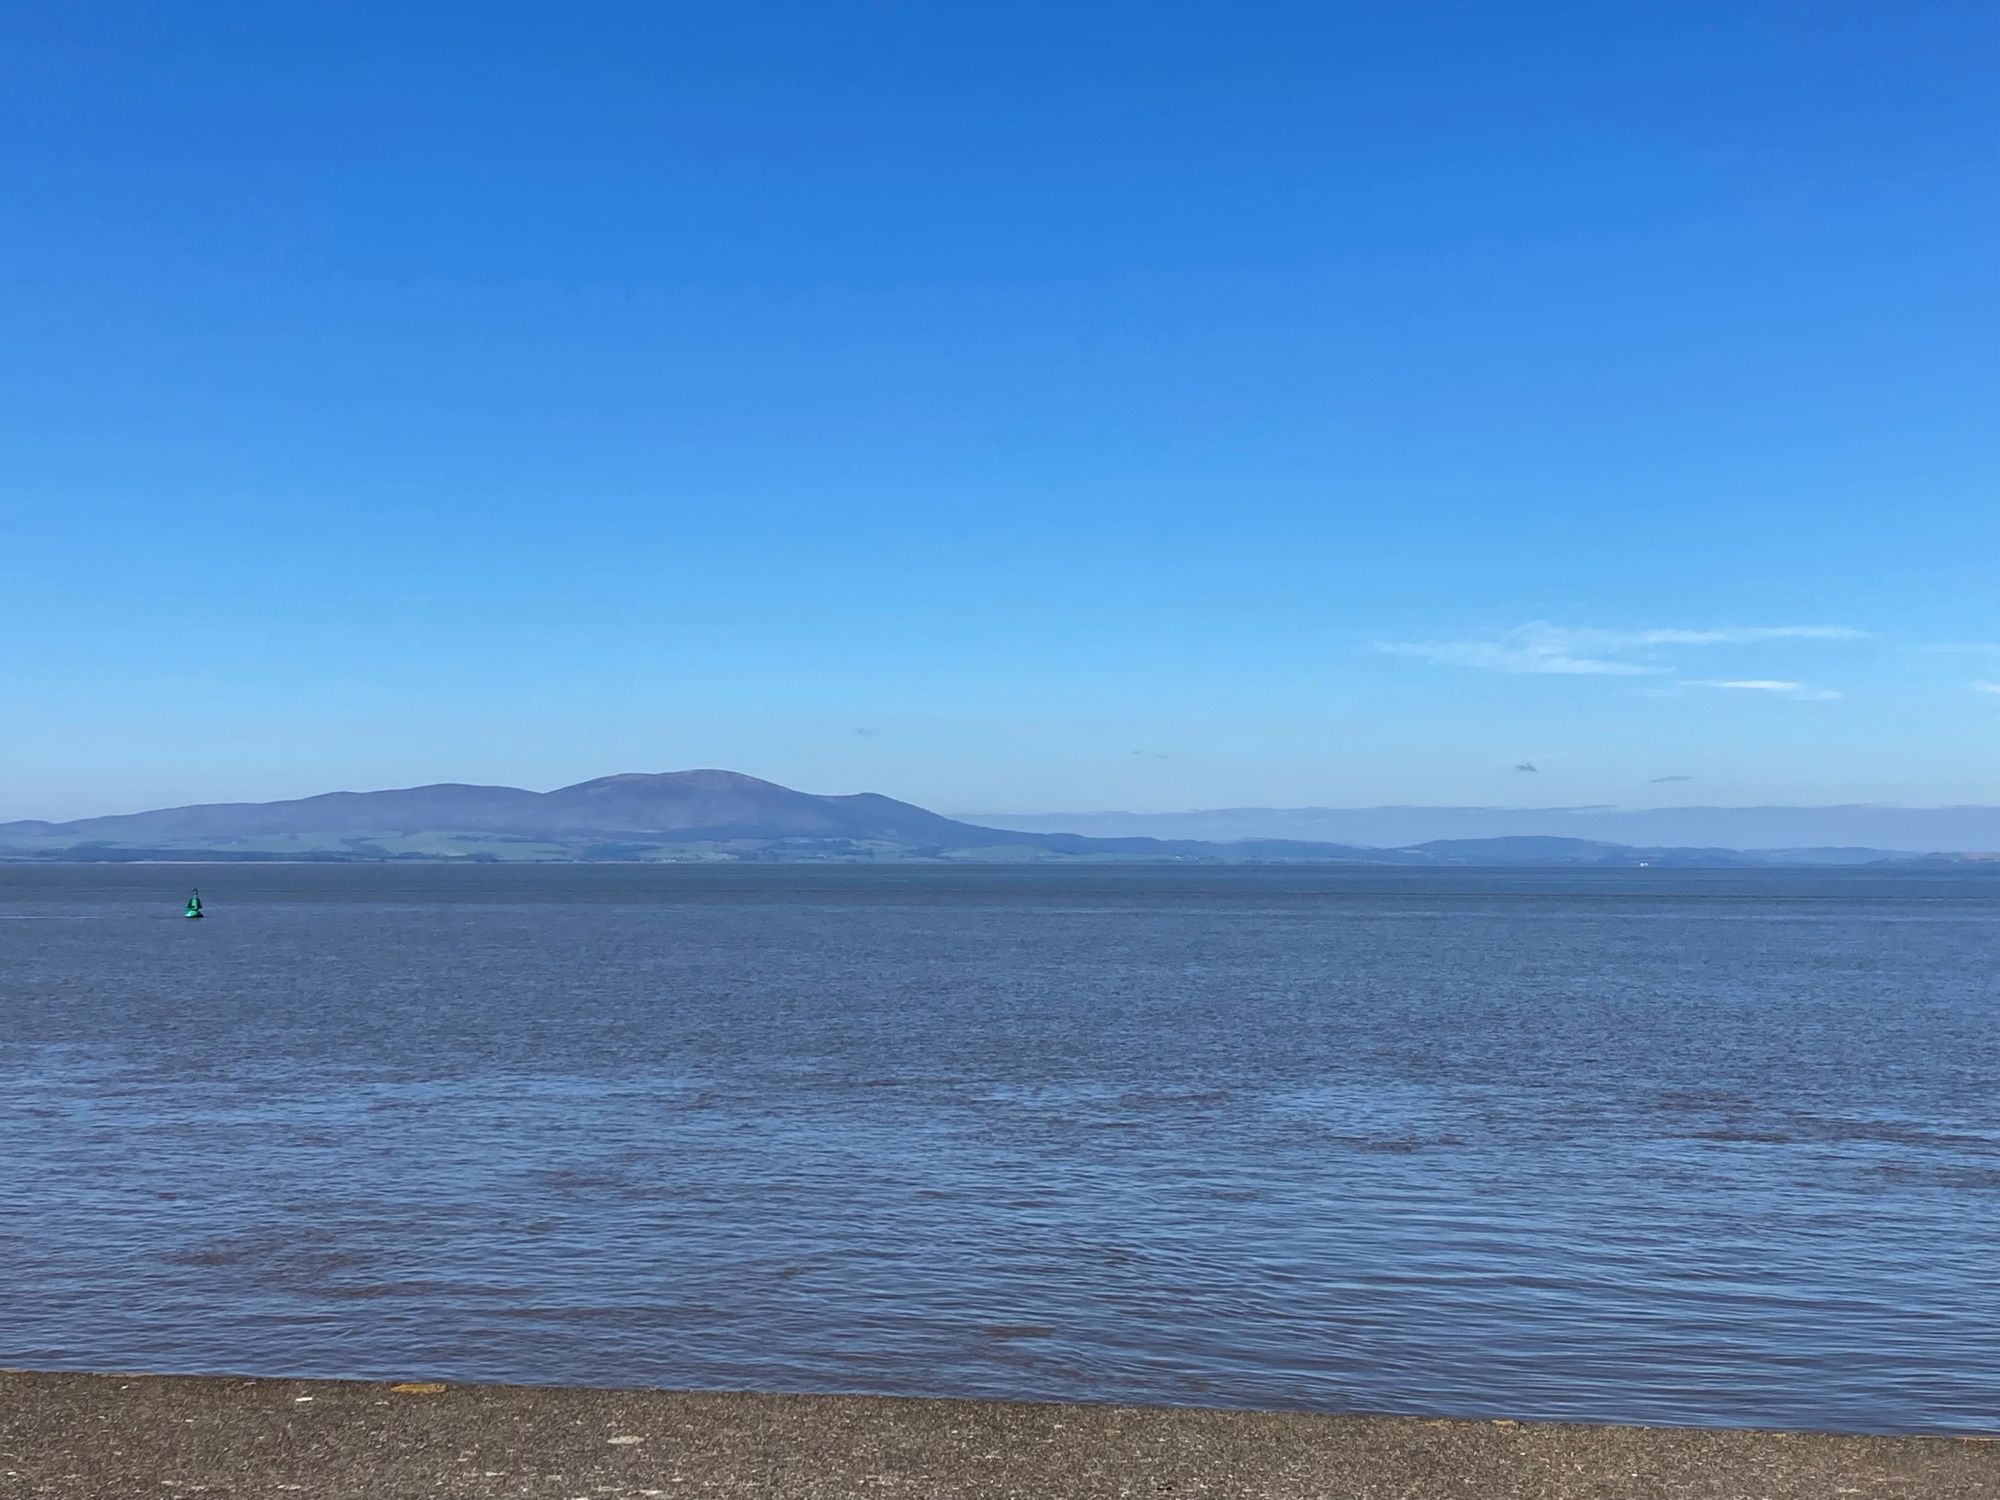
(717, 817)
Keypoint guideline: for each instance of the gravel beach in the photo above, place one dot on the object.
(96, 1437)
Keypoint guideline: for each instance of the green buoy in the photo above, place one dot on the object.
(194, 905)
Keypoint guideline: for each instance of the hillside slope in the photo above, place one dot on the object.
(673, 814)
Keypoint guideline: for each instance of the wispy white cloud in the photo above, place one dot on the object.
(1728, 635)
(1763, 685)
(1514, 655)
(1986, 687)
(1542, 648)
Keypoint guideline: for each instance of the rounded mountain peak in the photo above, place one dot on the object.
(689, 781)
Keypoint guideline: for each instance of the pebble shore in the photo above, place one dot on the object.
(107, 1437)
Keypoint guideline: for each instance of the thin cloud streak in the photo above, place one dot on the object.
(1727, 636)
(1540, 648)
(1763, 685)
(1987, 687)
(1497, 656)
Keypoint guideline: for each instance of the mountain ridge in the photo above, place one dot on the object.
(1962, 828)
(728, 815)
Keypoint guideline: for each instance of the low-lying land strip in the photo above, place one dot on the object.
(93, 1437)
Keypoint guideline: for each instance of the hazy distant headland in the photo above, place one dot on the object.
(709, 816)
(1853, 825)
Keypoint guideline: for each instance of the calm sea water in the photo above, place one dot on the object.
(1646, 1146)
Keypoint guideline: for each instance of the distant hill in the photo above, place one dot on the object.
(724, 815)
(1916, 830)
(667, 815)
(1531, 850)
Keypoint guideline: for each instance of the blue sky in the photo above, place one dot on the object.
(1007, 407)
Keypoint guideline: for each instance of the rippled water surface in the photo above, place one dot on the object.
(1645, 1146)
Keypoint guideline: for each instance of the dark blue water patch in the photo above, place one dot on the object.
(1683, 1147)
